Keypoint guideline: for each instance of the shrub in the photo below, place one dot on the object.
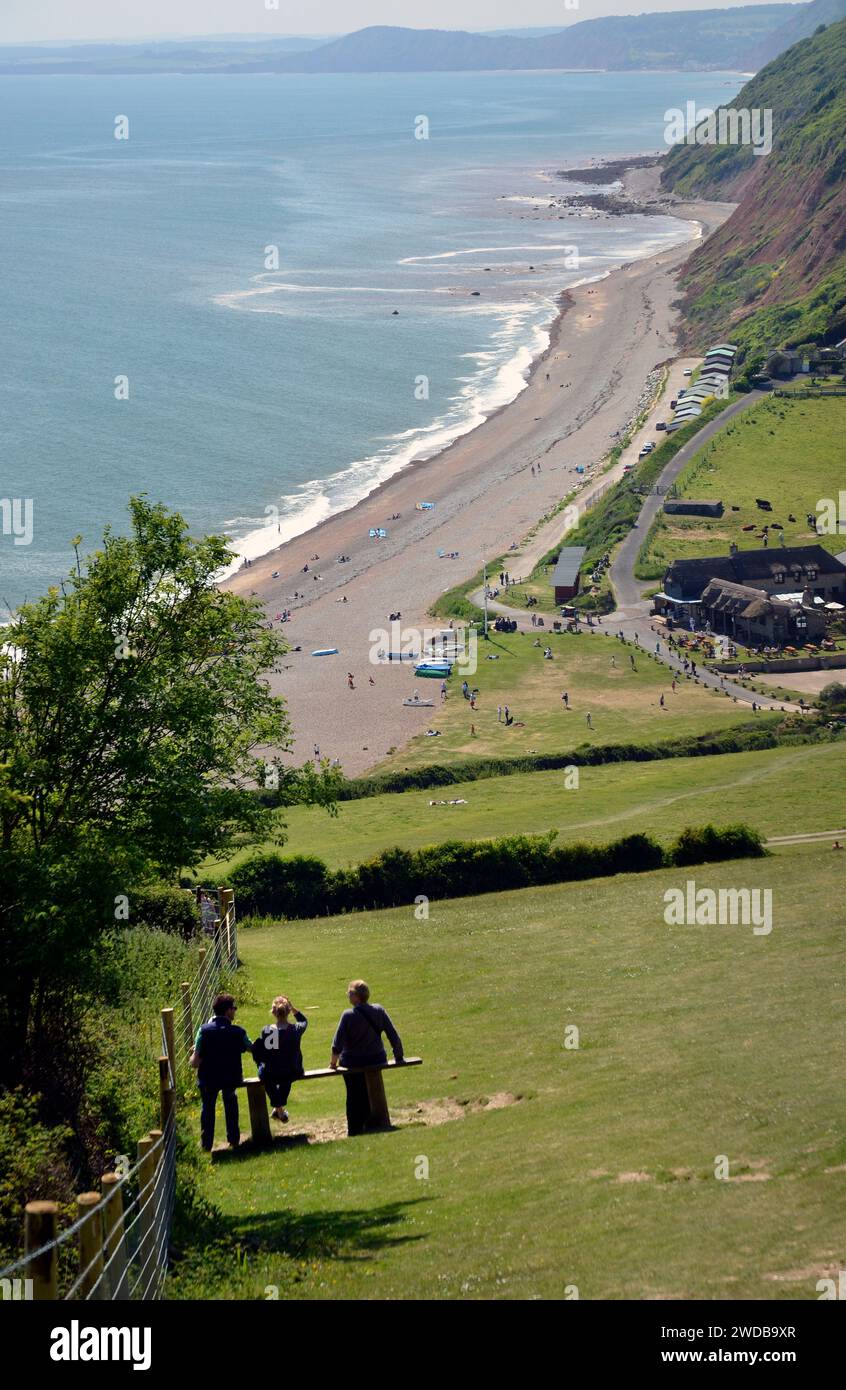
(708, 844)
(833, 696)
(295, 887)
(165, 908)
(33, 1164)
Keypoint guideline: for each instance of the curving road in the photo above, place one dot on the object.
(631, 619)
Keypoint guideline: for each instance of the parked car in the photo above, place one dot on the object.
(688, 371)
(661, 425)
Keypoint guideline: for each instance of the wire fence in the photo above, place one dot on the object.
(117, 1247)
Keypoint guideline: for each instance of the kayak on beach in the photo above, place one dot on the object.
(326, 651)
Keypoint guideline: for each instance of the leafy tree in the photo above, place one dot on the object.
(134, 702)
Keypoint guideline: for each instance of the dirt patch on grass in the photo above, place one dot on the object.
(634, 1177)
(425, 1112)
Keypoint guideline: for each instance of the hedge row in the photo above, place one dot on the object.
(742, 738)
(300, 886)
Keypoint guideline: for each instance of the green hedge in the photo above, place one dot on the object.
(271, 885)
(165, 908)
(767, 731)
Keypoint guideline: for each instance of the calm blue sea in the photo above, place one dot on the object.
(296, 388)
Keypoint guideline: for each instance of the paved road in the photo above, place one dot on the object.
(632, 615)
(631, 620)
(627, 589)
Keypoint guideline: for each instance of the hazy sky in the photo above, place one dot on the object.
(23, 20)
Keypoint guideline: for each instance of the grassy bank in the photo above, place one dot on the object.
(788, 451)
(551, 1166)
(779, 791)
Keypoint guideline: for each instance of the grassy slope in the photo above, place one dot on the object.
(790, 451)
(695, 1042)
(778, 791)
(624, 705)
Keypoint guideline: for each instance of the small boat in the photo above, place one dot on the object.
(419, 704)
(326, 651)
(437, 673)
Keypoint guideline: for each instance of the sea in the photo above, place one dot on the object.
(253, 298)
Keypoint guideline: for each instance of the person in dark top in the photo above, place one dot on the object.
(217, 1053)
(358, 1043)
(277, 1054)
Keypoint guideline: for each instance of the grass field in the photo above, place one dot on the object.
(779, 791)
(789, 451)
(553, 1166)
(624, 704)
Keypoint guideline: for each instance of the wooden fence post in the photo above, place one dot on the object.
(90, 1245)
(227, 913)
(114, 1245)
(378, 1100)
(170, 1038)
(187, 1017)
(146, 1199)
(167, 1093)
(40, 1221)
(259, 1115)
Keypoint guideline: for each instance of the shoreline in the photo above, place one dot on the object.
(252, 545)
(490, 486)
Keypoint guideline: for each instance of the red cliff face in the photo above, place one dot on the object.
(775, 272)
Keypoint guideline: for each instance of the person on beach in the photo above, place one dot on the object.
(443, 690)
(661, 701)
(216, 1058)
(566, 698)
(277, 1052)
(358, 1043)
(350, 680)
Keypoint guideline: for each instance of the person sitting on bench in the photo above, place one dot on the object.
(358, 1043)
(217, 1061)
(277, 1054)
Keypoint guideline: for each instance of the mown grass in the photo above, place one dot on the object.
(624, 703)
(788, 451)
(694, 1042)
(778, 791)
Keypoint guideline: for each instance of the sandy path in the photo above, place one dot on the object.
(605, 342)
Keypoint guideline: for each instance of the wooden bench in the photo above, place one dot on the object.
(379, 1116)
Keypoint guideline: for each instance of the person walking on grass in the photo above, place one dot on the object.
(589, 721)
(277, 1052)
(216, 1058)
(358, 1043)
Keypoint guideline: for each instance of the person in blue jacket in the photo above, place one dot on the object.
(218, 1049)
(277, 1053)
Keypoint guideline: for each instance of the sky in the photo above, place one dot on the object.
(23, 21)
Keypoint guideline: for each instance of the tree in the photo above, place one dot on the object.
(133, 702)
